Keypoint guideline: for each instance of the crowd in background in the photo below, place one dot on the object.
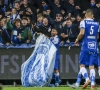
(22, 20)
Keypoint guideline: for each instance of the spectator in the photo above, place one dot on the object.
(37, 4)
(77, 21)
(95, 10)
(19, 35)
(55, 6)
(84, 4)
(39, 20)
(48, 14)
(4, 8)
(26, 27)
(14, 15)
(63, 15)
(28, 10)
(73, 8)
(17, 7)
(70, 32)
(57, 24)
(6, 29)
(45, 28)
(44, 5)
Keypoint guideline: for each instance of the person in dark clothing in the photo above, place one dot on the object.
(17, 6)
(4, 8)
(47, 13)
(44, 5)
(1, 14)
(73, 8)
(5, 33)
(84, 4)
(95, 9)
(57, 24)
(19, 10)
(29, 10)
(36, 3)
(45, 28)
(70, 32)
(55, 7)
(77, 21)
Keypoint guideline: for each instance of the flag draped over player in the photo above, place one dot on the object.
(38, 69)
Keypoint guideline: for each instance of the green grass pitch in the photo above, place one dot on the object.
(43, 88)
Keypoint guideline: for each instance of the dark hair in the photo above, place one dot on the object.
(17, 20)
(28, 17)
(33, 23)
(24, 19)
(55, 29)
(68, 19)
(17, 2)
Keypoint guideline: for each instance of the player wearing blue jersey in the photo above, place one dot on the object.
(79, 77)
(55, 40)
(89, 32)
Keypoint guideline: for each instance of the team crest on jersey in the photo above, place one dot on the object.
(92, 45)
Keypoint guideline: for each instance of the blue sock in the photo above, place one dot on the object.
(79, 78)
(57, 78)
(53, 76)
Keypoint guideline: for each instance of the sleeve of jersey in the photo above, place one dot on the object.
(82, 24)
(56, 41)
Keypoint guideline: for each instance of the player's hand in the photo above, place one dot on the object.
(76, 42)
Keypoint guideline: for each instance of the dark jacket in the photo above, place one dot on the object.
(71, 31)
(96, 12)
(55, 9)
(46, 30)
(34, 13)
(58, 27)
(5, 35)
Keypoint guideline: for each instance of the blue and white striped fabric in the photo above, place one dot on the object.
(38, 69)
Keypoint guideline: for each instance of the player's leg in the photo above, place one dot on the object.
(92, 77)
(78, 81)
(84, 61)
(56, 71)
(57, 78)
(79, 78)
(93, 60)
(83, 71)
(99, 66)
(56, 75)
(99, 71)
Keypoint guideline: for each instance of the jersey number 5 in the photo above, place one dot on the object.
(91, 30)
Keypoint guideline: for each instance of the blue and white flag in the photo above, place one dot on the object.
(38, 69)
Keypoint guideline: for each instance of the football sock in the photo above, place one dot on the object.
(57, 78)
(92, 77)
(84, 73)
(79, 78)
